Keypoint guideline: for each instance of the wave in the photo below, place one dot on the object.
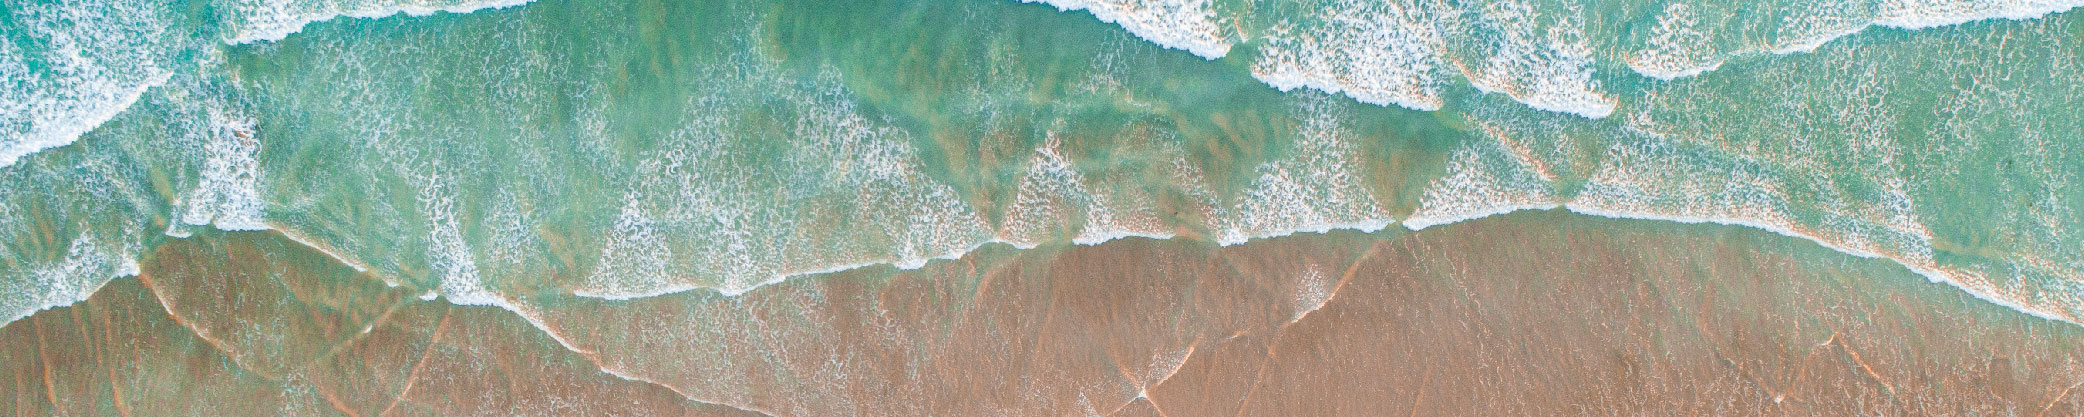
(908, 219)
(1472, 192)
(1380, 53)
(227, 197)
(1189, 25)
(86, 267)
(54, 122)
(1320, 187)
(1948, 14)
(1678, 48)
(1676, 51)
(76, 66)
(1959, 279)
(1393, 53)
(100, 58)
(1963, 280)
(1400, 52)
(272, 20)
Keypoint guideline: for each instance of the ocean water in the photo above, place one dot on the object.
(503, 152)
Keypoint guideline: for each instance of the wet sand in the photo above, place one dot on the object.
(1538, 313)
(254, 324)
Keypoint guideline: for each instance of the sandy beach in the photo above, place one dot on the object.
(1583, 316)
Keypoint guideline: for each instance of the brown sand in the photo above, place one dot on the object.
(1531, 313)
(252, 324)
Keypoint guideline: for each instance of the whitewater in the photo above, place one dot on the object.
(1526, 155)
(1382, 54)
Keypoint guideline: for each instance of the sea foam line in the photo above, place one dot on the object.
(1920, 22)
(282, 29)
(70, 132)
(1930, 272)
(1908, 22)
(2031, 10)
(901, 264)
(127, 268)
(1186, 25)
(501, 301)
(906, 264)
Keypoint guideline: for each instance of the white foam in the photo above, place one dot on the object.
(1052, 196)
(1810, 44)
(86, 267)
(1313, 289)
(228, 195)
(1678, 48)
(1049, 193)
(448, 252)
(1318, 188)
(357, 265)
(1282, 202)
(1924, 14)
(1378, 53)
(54, 127)
(736, 290)
(636, 255)
(106, 57)
(1110, 219)
(1907, 15)
(1551, 70)
(273, 20)
(1771, 223)
(1481, 182)
(99, 58)
(1188, 25)
(702, 213)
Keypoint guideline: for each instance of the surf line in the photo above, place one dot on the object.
(288, 25)
(1932, 273)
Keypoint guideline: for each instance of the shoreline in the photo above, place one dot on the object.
(1175, 324)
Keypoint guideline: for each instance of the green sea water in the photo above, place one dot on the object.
(497, 153)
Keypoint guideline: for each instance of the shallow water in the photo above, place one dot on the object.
(498, 153)
(1570, 313)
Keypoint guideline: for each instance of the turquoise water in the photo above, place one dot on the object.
(499, 152)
